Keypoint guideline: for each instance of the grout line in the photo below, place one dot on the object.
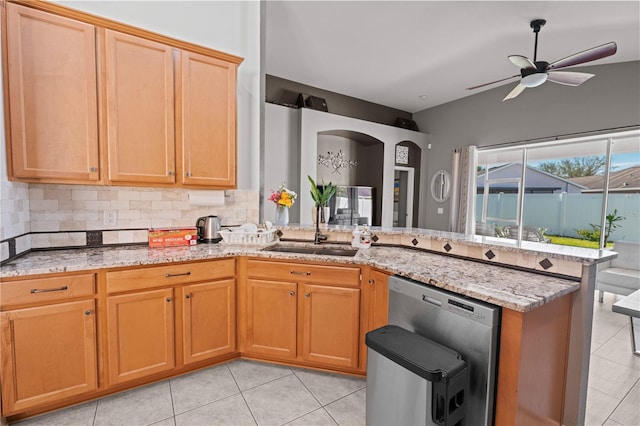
(621, 400)
(242, 393)
(173, 405)
(95, 413)
(270, 381)
(330, 416)
(308, 390)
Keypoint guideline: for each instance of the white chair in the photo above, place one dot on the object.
(622, 274)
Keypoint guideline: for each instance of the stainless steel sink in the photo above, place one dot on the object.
(319, 250)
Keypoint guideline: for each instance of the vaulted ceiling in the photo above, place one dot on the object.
(415, 55)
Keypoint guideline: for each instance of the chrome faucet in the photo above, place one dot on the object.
(319, 237)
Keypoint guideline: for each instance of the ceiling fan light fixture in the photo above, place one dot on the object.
(534, 80)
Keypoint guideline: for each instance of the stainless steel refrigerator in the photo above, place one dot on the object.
(352, 205)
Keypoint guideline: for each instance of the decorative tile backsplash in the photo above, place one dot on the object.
(14, 210)
(44, 215)
(72, 207)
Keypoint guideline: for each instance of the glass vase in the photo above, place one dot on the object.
(282, 215)
(324, 216)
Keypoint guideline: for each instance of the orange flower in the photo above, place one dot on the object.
(283, 196)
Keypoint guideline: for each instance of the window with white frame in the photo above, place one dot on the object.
(560, 192)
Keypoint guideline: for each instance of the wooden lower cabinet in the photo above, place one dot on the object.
(271, 318)
(48, 354)
(169, 317)
(208, 320)
(375, 312)
(140, 330)
(330, 325)
(378, 299)
(306, 313)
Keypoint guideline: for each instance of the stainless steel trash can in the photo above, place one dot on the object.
(412, 380)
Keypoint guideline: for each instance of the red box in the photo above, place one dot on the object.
(166, 237)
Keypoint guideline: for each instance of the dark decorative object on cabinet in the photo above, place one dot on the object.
(405, 123)
(312, 102)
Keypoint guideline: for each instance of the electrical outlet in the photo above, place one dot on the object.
(110, 218)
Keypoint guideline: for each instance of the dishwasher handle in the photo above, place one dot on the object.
(431, 300)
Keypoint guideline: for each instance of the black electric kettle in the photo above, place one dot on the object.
(208, 229)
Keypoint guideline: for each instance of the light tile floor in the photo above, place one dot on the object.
(236, 393)
(613, 397)
(249, 393)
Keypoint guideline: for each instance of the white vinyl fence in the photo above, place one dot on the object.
(561, 214)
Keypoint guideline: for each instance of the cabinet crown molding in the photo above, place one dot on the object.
(88, 18)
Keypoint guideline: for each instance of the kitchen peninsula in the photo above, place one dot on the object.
(541, 289)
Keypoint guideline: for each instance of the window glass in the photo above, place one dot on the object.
(623, 205)
(556, 208)
(558, 197)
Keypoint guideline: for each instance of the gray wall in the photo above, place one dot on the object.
(610, 100)
(369, 174)
(281, 91)
(281, 157)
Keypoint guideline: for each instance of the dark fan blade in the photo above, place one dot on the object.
(569, 78)
(588, 55)
(515, 92)
(522, 62)
(493, 82)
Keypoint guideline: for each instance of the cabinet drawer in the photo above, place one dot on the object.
(321, 274)
(160, 276)
(47, 289)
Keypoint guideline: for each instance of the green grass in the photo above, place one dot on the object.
(576, 242)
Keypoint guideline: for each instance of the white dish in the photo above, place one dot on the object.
(248, 227)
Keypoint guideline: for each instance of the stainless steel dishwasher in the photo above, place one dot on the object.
(469, 327)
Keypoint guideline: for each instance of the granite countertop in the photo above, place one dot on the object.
(556, 251)
(510, 288)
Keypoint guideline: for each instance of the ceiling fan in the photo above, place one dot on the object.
(534, 73)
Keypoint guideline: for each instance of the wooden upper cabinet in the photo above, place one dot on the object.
(52, 95)
(207, 121)
(139, 109)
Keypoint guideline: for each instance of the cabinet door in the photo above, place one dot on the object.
(52, 97)
(208, 121)
(48, 354)
(271, 318)
(140, 112)
(330, 325)
(209, 320)
(379, 300)
(140, 329)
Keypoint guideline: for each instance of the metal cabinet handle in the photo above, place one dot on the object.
(372, 281)
(292, 293)
(294, 272)
(87, 313)
(48, 290)
(169, 299)
(177, 275)
(307, 295)
(93, 169)
(170, 173)
(187, 296)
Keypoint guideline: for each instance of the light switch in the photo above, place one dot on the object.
(440, 210)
